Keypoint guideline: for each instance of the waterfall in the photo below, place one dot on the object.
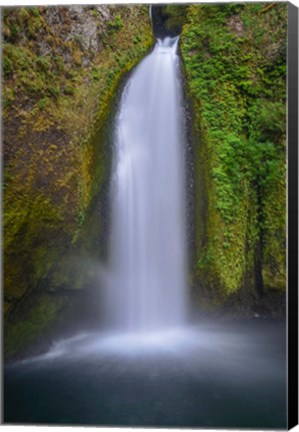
(148, 251)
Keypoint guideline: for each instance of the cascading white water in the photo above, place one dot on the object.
(148, 251)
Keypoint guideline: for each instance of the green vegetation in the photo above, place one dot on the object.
(60, 80)
(116, 24)
(34, 325)
(234, 57)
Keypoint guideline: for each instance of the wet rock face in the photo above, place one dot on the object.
(84, 25)
(236, 24)
(62, 67)
(168, 19)
(88, 24)
(219, 44)
(87, 30)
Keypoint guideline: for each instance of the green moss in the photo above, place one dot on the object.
(34, 326)
(116, 23)
(234, 61)
(56, 149)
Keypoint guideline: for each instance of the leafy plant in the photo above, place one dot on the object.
(116, 23)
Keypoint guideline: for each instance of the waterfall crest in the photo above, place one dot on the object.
(148, 250)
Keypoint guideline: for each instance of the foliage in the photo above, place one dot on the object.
(234, 58)
(116, 24)
(57, 98)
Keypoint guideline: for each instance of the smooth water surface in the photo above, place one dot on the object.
(210, 375)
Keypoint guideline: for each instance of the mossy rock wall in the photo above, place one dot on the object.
(234, 58)
(61, 69)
